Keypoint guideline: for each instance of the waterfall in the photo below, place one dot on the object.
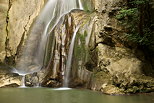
(80, 5)
(32, 57)
(23, 82)
(23, 75)
(69, 60)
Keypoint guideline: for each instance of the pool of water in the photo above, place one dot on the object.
(62, 95)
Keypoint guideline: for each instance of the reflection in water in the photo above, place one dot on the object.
(46, 95)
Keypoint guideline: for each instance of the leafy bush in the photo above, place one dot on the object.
(123, 13)
(134, 18)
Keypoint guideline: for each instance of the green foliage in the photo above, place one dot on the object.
(145, 40)
(124, 13)
(133, 18)
(139, 2)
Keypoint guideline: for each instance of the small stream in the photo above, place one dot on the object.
(48, 95)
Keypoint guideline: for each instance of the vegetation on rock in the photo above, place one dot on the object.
(136, 19)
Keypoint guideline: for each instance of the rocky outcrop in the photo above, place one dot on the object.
(57, 49)
(118, 65)
(3, 15)
(7, 78)
(16, 18)
(122, 70)
(103, 59)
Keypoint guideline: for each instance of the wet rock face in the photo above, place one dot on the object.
(58, 47)
(16, 18)
(103, 59)
(7, 78)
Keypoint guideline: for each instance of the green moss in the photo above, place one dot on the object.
(88, 6)
(81, 49)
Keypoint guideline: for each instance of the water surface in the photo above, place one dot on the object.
(47, 95)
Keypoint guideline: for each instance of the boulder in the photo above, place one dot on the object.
(120, 71)
(7, 78)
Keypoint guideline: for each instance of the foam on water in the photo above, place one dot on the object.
(63, 88)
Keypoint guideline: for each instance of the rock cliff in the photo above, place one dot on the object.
(103, 59)
(16, 18)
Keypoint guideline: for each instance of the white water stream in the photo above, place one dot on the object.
(69, 60)
(23, 82)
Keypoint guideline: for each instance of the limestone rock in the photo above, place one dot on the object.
(16, 18)
(7, 78)
(10, 80)
(3, 16)
(102, 6)
(111, 89)
(102, 59)
(58, 46)
(118, 66)
(124, 71)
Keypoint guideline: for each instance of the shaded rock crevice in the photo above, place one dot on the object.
(7, 48)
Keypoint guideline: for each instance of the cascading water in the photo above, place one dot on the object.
(32, 57)
(23, 81)
(22, 76)
(69, 60)
(33, 54)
